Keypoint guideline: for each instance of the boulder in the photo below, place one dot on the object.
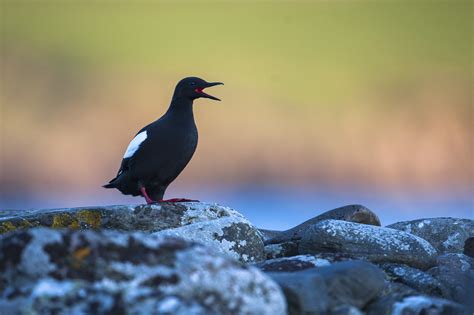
(447, 235)
(375, 243)
(421, 305)
(233, 236)
(147, 218)
(456, 273)
(323, 290)
(221, 227)
(469, 247)
(398, 299)
(45, 270)
(421, 281)
(352, 213)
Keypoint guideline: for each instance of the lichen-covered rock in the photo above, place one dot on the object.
(295, 263)
(221, 227)
(148, 218)
(87, 272)
(447, 235)
(375, 243)
(421, 281)
(351, 213)
(234, 236)
(322, 290)
(421, 305)
(456, 272)
(285, 249)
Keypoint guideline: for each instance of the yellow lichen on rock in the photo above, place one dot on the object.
(64, 220)
(82, 253)
(91, 218)
(7, 227)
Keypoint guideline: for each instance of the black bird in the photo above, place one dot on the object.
(161, 150)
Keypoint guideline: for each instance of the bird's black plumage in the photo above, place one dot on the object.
(162, 149)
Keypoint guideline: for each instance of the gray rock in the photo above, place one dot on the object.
(234, 236)
(346, 310)
(147, 218)
(447, 235)
(295, 263)
(322, 290)
(352, 283)
(305, 293)
(421, 281)
(70, 272)
(469, 247)
(221, 227)
(352, 213)
(285, 249)
(375, 243)
(392, 293)
(400, 299)
(421, 305)
(456, 272)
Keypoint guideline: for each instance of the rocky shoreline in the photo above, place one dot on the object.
(200, 258)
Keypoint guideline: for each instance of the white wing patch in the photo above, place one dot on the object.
(135, 144)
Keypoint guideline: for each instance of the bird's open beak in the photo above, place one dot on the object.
(209, 84)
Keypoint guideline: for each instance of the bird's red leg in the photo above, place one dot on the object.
(145, 195)
(178, 200)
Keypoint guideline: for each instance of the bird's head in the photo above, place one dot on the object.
(193, 88)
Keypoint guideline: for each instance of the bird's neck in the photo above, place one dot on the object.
(181, 106)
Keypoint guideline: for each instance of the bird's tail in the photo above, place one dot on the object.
(111, 184)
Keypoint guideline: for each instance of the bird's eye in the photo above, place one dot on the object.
(193, 83)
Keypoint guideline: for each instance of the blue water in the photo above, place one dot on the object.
(273, 207)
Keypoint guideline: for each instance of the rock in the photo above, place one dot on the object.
(392, 293)
(285, 249)
(352, 213)
(324, 289)
(305, 292)
(420, 281)
(456, 272)
(375, 243)
(421, 305)
(294, 263)
(447, 235)
(149, 218)
(346, 310)
(234, 236)
(400, 299)
(222, 227)
(352, 283)
(69, 272)
(469, 247)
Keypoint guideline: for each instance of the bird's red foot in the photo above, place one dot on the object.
(148, 200)
(178, 200)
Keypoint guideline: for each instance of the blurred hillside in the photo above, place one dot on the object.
(373, 95)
